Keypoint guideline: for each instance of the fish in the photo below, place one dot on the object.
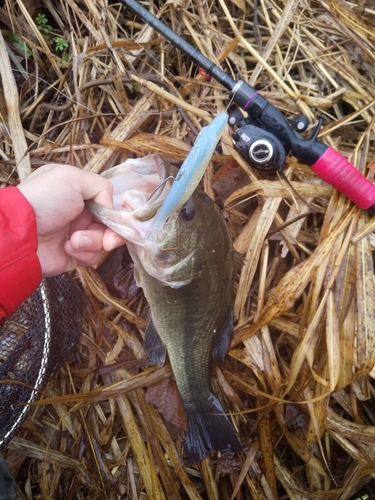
(184, 261)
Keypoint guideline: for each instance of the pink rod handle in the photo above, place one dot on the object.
(333, 168)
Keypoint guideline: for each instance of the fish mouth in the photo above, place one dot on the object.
(139, 188)
(144, 197)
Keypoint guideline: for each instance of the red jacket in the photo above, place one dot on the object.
(20, 271)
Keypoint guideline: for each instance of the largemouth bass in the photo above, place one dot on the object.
(184, 261)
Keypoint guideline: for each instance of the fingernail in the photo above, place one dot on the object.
(84, 242)
(116, 241)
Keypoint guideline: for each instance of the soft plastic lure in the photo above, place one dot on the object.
(191, 171)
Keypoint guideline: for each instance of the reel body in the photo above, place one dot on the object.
(259, 146)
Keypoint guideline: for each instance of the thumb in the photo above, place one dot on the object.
(94, 187)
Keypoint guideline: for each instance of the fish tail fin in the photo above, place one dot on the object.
(209, 430)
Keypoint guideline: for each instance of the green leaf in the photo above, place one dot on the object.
(20, 44)
(60, 44)
(41, 21)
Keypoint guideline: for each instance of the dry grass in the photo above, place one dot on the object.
(298, 379)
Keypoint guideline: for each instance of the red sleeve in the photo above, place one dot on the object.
(20, 271)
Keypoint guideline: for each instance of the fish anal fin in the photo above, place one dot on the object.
(153, 345)
(223, 339)
(209, 431)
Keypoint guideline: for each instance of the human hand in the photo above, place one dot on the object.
(68, 235)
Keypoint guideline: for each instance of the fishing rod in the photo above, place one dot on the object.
(265, 136)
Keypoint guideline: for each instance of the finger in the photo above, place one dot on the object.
(89, 240)
(96, 188)
(112, 240)
(85, 221)
(87, 184)
(83, 257)
(97, 238)
(88, 258)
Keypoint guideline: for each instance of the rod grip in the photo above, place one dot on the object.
(333, 168)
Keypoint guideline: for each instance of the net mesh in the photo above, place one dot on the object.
(34, 342)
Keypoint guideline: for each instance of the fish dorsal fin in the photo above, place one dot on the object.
(153, 345)
(223, 339)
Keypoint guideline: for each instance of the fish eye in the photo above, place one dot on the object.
(187, 211)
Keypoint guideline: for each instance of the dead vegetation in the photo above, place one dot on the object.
(88, 84)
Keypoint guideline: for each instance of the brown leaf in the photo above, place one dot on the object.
(228, 178)
(295, 417)
(165, 397)
(124, 44)
(167, 147)
(91, 279)
(333, 342)
(228, 464)
(240, 4)
(290, 288)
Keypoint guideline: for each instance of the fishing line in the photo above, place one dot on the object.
(50, 86)
(229, 103)
(62, 94)
(152, 57)
(126, 13)
(93, 84)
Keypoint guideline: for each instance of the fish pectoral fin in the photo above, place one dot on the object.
(223, 339)
(153, 345)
